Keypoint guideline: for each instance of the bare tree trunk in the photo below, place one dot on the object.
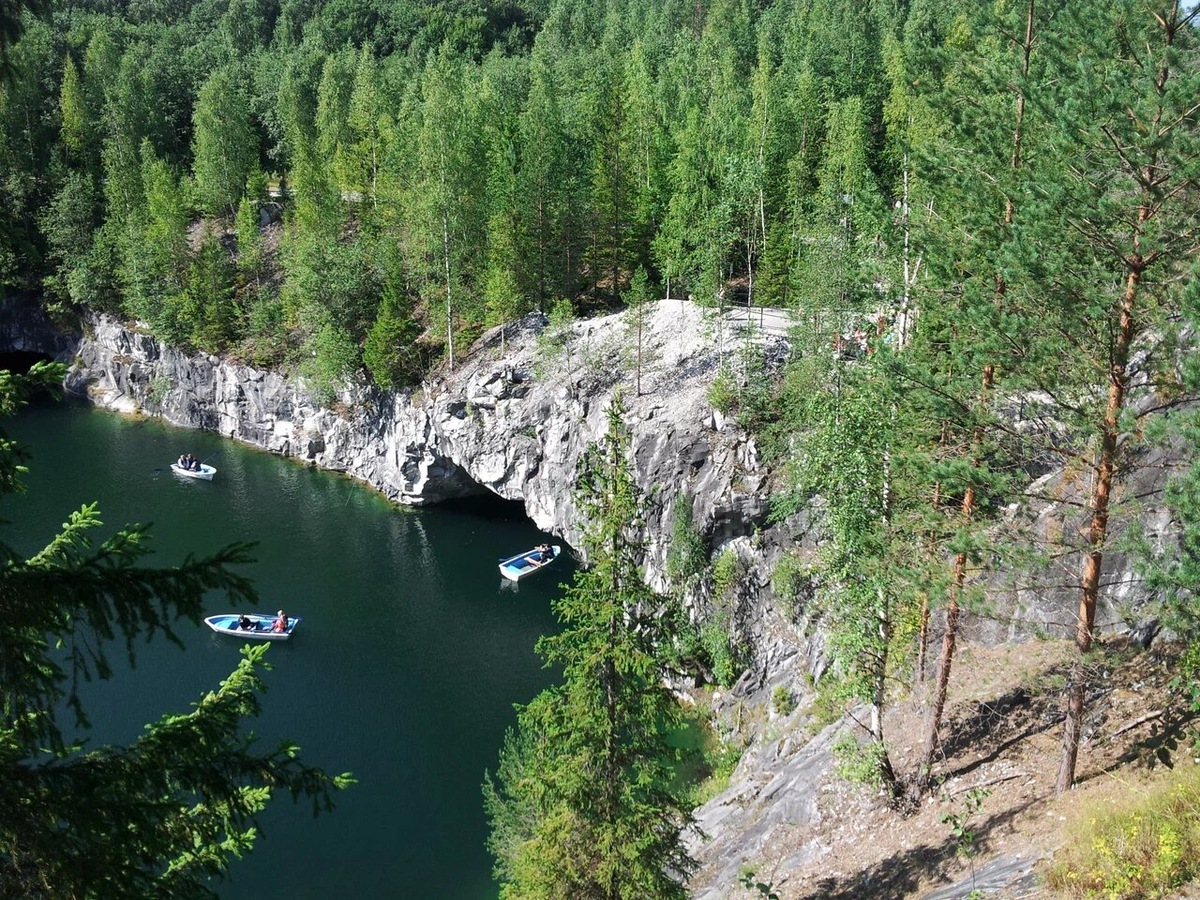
(923, 631)
(1105, 467)
(449, 304)
(640, 314)
(912, 269)
(950, 634)
(879, 696)
(922, 779)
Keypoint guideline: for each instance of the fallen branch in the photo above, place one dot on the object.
(997, 780)
(1136, 722)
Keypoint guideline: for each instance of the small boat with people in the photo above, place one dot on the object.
(278, 627)
(190, 467)
(517, 567)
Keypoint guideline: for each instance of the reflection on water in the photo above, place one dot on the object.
(404, 671)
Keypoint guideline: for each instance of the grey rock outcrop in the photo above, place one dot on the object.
(514, 425)
(514, 420)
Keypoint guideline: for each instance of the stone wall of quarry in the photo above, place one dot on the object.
(514, 419)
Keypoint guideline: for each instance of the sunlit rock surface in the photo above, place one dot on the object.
(515, 417)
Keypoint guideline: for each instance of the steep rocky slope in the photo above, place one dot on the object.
(514, 419)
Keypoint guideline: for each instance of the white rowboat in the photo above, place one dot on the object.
(261, 626)
(206, 471)
(517, 567)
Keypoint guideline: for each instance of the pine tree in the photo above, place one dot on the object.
(637, 299)
(957, 346)
(545, 244)
(367, 130)
(208, 304)
(156, 251)
(333, 112)
(68, 224)
(76, 132)
(390, 350)
(1116, 220)
(225, 147)
(448, 235)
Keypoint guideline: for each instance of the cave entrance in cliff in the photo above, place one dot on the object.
(488, 506)
(21, 361)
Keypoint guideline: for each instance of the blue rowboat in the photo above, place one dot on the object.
(261, 627)
(517, 567)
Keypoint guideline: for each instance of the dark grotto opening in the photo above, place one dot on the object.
(488, 506)
(21, 361)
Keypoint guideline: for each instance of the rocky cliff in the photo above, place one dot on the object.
(513, 423)
(513, 419)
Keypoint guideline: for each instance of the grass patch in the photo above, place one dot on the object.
(1144, 845)
(708, 760)
(783, 701)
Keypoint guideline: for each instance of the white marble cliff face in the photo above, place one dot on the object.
(515, 425)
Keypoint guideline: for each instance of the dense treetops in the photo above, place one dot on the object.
(308, 183)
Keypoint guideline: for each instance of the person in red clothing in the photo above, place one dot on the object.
(281, 622)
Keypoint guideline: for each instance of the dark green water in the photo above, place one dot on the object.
(411, 652)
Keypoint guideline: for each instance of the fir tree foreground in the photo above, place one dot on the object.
(165, 815)
(584, 803)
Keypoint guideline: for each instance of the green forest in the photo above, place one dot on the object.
(359, 188)
(985, 218)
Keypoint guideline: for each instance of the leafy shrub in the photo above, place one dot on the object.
(726, 572)
(714, 638)
(723, 393)
(1144, 849)
(748, 878)
(783, 701)
(720, 759)
(859, 763)
(688, 554)
(160, 387)
(331, 357)
(789, 581)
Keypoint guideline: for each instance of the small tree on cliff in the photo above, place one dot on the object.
(849, 426)
(584, 803)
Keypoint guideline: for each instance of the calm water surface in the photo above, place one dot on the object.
(404, 671)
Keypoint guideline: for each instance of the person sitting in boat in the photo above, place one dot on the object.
(541, 552)
(183, 461)
(281, 622)
(244, 623)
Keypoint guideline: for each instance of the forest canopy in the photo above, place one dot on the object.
(314, 183)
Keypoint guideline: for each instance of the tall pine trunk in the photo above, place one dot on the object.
(950, 633)
(923, 776)
(1104, 470)
(1152, 148)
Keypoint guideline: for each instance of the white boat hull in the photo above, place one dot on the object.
(517, 567)
(206, 472)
